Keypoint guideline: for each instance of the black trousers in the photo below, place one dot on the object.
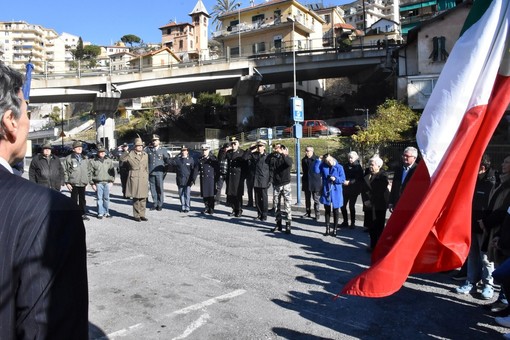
(349, 201)
(219, 186)
(123, 181)
(209, 204)
(249, 188)
(376, 225)
(78, 196)
(261, 201)
(309, 195)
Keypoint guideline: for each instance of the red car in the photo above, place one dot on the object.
(314, 128)
(348, 127)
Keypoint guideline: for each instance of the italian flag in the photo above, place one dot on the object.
(429, 231)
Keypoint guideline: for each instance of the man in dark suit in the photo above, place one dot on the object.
(43, 272)
(402, 175)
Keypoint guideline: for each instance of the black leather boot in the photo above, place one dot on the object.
(278, 226)
(335, 222)
(287, 227)
(327, 217)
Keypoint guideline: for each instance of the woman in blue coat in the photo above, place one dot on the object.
(333, 177)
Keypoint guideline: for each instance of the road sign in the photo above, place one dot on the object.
(270, 133)
(103, 119)
(62, 134)
(297, 108)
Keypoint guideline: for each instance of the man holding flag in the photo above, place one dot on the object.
(429, 230)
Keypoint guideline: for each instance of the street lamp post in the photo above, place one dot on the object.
(298, 115)
(239, 26)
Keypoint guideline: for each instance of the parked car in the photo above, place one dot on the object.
(259, 133)
(314, 128)
(348, 127)
(278, 131)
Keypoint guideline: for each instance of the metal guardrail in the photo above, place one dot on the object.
(65, 71)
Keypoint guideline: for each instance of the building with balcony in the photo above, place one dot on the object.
(362, 14)
(23, 42)
(334, 29)
(272, 26)
(412, 12)
(422, 59)
(189, 41)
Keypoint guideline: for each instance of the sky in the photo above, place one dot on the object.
(105, 22)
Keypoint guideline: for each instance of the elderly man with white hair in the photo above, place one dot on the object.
(374, 194)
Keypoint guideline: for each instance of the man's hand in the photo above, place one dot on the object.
(390, 207)
(69, 187)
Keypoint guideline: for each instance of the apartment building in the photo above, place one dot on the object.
(272, 26)
(412, 12)
(334, 28)
(423, 57)
(189, 41)
(362, 14)
(21, 42)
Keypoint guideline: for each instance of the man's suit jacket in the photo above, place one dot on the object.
(397, 186)
(43, 269)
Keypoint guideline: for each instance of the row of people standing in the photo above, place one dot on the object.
(268, 169)
(338, 186)
(76, 172)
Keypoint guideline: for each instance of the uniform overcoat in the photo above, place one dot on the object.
(137, 185)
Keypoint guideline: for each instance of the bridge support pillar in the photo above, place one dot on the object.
(244, 109)
(245, 91)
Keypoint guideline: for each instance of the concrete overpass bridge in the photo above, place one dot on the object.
(105, 88)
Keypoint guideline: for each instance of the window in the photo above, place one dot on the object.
(439, 52)
(278, 43)
(258, 48)
(327, 18)
(181, 44)
(424, 86)
(257, 18)
(234, 51)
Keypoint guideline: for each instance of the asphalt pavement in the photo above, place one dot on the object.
(195, 276)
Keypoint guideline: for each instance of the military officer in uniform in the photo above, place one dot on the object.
(236, 175)
(158, 159)
(138, 163)
(208, 168)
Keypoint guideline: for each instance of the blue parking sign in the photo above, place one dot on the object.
(297, 109)
(103, 119)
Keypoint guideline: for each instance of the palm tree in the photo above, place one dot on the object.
(221, 7)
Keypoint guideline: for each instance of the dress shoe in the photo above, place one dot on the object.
(108, 216)
(138, 219)
(144, 219)
(85, 218)
(152, 208)
(502, 312)
(159, 208)
(99, 217)
(263, 218)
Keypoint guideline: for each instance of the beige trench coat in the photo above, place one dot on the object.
(137, 185)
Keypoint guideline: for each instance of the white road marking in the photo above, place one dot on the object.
(122, 332)
(209, 302)
(194, 326)
(191, 328)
